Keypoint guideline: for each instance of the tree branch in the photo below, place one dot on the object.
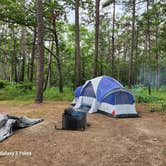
(50, 52)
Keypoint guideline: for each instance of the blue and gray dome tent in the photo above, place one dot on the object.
(107, 95)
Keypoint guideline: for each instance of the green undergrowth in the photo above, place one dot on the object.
(26, 91)
(19, 91)
(53, 94)
(157, 96)
(156, 101)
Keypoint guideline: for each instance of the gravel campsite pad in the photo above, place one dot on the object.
(107, 142)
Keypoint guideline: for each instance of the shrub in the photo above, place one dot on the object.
(3, 84)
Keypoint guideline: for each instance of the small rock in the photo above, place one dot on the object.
(154, 139)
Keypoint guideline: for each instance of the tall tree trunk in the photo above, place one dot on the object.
(48, 76)
(130, 79)
(32, 56)
(14, 59)
(23, 54)
(28, 66)
(158, 70)
(40, 58)
(143, 59)
(77, 45)
(96, 51)
(58, 60)
(118, 58)
(118, 66)
(158, 59)
(136, 57)
(4, 59)
(125, 52)
(113, 40)
(49, 71)
(11, 46)
(149, 47)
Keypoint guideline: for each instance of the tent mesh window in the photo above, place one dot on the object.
(88, 91)
(123, 98)
(119, 98)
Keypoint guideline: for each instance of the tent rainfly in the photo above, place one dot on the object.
(107, 95)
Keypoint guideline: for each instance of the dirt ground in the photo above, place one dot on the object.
(107, 142)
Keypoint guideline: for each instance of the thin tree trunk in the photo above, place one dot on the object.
(136, 57)
(158, 60)
(49, 72)
(40, 58)
(109, 47)
(130, 79)
(14, 59)
(23, 54)
(124, 61)
(96, 51)
(149, 48)
(77, 45)
(143, 61)
(4, 60)
(58, 58)
(126, 46)
(32, 56)
(48, 76)
(158, 71)
(28, 66)
(118, 66)
(113, 40)
(125, 54)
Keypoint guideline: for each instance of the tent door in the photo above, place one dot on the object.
(122, 98)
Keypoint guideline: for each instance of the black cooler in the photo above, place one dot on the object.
(74, 120)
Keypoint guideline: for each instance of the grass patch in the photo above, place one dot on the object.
(53, 94)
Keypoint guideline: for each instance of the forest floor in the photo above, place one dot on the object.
(107, 142)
